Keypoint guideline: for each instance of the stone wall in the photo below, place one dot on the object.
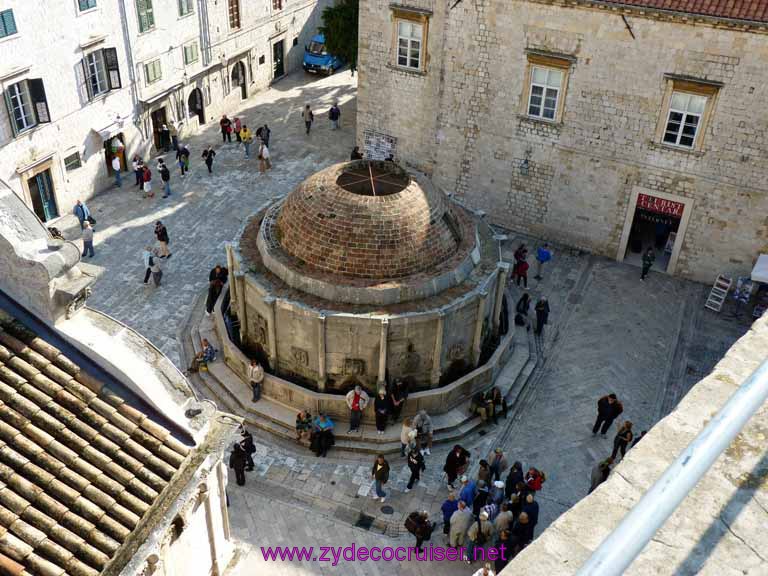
(463, 121)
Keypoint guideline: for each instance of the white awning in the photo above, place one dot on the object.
(760, 271)
(110, 130)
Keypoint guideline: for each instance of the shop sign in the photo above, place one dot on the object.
(660, 206)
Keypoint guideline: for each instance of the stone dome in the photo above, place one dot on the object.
(368, 220)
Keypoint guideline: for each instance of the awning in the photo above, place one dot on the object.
(760, 271)
(148, 101)
(110, 130)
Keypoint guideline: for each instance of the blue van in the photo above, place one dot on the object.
(317, 59)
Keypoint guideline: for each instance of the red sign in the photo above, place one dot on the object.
(659, 205)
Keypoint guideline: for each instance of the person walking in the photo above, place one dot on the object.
(397, 398)
(521, 273)
(333, 115)
(405, 436)
(381, 410)
(138, 171)
(498, 463)
(543, 255)
(308, 117)
(357, 400)
(246, 443)
(521, 311)
(455, 464)
(214, 291)
(82, 213)
(225, 124)
(255, 379)
(600, 474)
(245, 136)
(623, 438)
(265, 134)
(416, 466)
(380, 476)
(116, 168)
(208, 155)
(460, 522)
(648, 259)
(520, 256)
(418, 524)
(264, 161)
(182, 159)
(356, 155)
(87, 240)
(165, 176)
(161, 233)
(479, 535)
(542, 315)
(149, 262)
(238, 128)
(608, 409)
(156, 269)
(147, 175)
(422, 423)
(449, 506)
(237, 461)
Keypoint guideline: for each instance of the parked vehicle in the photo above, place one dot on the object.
(317, 59)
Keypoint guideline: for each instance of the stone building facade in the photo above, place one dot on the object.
(97, 78)
(597, 124)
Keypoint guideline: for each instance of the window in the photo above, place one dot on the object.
(685, 112)
(152, 71)
(186, 7)
(191, 53)
(86, 4)
(26, 104)
(409, 37)
(545, 91)
(99, 72)
(72, 162)
(261, 59)
(7, 23)
(277, 5)
(688, 105)
(234, 14)
(146, 15)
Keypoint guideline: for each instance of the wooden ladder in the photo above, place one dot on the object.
(718, 293)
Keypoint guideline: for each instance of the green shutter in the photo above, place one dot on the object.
(7, 23)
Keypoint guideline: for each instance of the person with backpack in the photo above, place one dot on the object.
(380, 476)
(608, 409)
(543, 255)
(248, 447)
(165, 176)
(182, 158)
(333, 115)
(460, 522)
(479, 535)
(416, 466)
(237, 461)
(161, 233)
(208, 155)
(419, 525)
(308, 117)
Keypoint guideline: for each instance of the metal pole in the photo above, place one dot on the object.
(625, 543)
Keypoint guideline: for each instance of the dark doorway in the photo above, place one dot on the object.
(278, 66)
(655, 225)
(43, 198)
(195, 105)
(158, 120)
(238, 79)
(114, 147)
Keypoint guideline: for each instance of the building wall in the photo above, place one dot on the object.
(585, 170)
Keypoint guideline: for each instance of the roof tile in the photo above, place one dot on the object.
(754, 10)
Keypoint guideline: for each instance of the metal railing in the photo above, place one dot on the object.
(624, 544)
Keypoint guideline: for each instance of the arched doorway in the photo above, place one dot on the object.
(238, 79)
(195, 105)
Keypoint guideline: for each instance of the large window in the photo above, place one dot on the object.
(27, 105)
(7, 23)
(687, 108)
(234, 14)
(409, 44)
(146, 15)
(684, 119)
(545, 92)
(99, 72)
(186, 7)
(86, 4)
(96, 73)
(191, 53)
(152, 71)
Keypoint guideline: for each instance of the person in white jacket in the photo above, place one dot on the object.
(357, 400)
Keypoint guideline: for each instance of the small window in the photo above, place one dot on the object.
(684, 119)
(186, 7)
(7, 23)
(409, 43)
(152, 71)
(191, 53)
(72, 162)
(277, 5)
(261, 59)
(146, 15)
(545, 92)
(234, 14)
(84, 5)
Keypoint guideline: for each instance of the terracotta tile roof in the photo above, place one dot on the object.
(755, 10)
(79, 468)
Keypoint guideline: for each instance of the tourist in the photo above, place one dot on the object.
(543, 255)
(264, 158)
(521, 273)
(116, 168)
(490, 508)
(333, 115)
(248, 447)
(174, 132)
(460, 522)
(416, 466)
(303, 426)
(214, 291)
(479, 535)
(521, 311)
(531, 508)
(499, 404)
(608, 409)
(534, 479)
(623, 438)
(245, 136)
(165, 138)
(514, 477)
(503, 544)
(308, 117)
(485, 570)
(497, 493)
(481, 497)
(322, 435)
(397, 397)
(484, 471)
(542, 314)
(148, 259)
(381, 411)
(504, 519)
(87, 240)
(218, 272)
(648, 258)
(165, 176)
(238, 129)
(422, 423)
(237, 461)
(482, 404)
(208, 155)
(357, 400)
(522, 532)
(356, 155)
(419, 525)
(600, 473)
(405, 432)
(206, 355)
(642, 435)
(82, 213)
(265, 134)
(468, 491)
(157, 271)
(138, 171)
(380, 476)
(161, 233)
(147, 175)
(182, 159)
(255, 379)
(520, 256)
(225, 124)
(455, 464)
(450, 505)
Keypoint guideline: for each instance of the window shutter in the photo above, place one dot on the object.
(83, 86)
(9, 107)
(39, 102)
(150, 14)
(7, 23)
(113, 67)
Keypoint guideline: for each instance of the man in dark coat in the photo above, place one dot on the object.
(397, 397)
(448, 508)
(608, 409)
(419, 525)
(514, 477)
(416, 465)
(542, 314)
(380, 476)
(248, 447)
(455, 463)
(531, 508)
(237, 461)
